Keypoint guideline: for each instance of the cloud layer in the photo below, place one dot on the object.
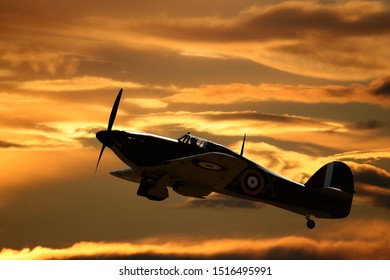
(291, 36)
(331, 246)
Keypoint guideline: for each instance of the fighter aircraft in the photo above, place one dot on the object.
(195, 167)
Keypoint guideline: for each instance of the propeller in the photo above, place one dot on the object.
(110, 124)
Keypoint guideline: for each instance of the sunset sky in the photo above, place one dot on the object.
(307, 81)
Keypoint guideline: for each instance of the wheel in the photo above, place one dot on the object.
(310, 224)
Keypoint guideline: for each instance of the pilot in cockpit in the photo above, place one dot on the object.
(193, 141)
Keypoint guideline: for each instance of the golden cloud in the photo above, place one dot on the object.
(283, 127)
(147, 103)
(290, 36)
(77, 83)
(345, 242)
(30, 167)
(238, 93)
(43, 61)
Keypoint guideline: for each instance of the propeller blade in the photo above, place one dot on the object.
(100, 156)
(114, 110)
(109, 127)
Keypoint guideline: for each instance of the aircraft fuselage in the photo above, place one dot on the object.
(196, 167)
(142, 151)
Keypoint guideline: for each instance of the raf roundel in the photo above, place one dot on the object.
(252, 182)
(208, 165)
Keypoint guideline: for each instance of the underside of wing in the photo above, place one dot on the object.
(128, 174)
(194, 176)
(209, 170)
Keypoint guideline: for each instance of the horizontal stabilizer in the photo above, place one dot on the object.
(333, 193)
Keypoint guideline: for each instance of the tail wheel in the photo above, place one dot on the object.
(252, 182)
(310, 223)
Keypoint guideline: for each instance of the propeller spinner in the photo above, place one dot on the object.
(110, 124)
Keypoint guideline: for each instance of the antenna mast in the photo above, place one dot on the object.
(243, 144)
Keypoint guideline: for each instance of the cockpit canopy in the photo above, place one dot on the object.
(194, 140)
(209, 146)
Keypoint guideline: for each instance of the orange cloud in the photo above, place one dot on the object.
(331, 244)
(233, 123)
(77, 83)
(147, 103)
(290, 36)
(23, 167)
(235, 93)
(48, 61)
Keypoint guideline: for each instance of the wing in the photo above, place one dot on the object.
(194, 176)
(211, 170)
(128, 174)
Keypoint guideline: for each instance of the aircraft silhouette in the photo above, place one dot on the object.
(196, 167)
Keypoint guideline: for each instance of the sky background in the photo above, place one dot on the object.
(307, 81)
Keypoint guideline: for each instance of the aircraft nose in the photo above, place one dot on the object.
(104, 137)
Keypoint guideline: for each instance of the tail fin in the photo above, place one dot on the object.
(334, 181)
(334, 175)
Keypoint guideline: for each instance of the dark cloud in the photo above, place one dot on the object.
(83, 28)
(20, 122)
(332, 245)
(382, 87)
(374, 196)
(163, 67)
(370, 175)
(315, 50)
(125, 8)
(61, 212)
(283, 21)
(366, 125)
(7, 144)
(286, 119)
(220, 201)
(89, 141)
(373, 183)
(377, 88)
(277, 253)
(276, 160)
(299, 19)
(307, 148)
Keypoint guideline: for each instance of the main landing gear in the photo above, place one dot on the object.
(310, 223)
